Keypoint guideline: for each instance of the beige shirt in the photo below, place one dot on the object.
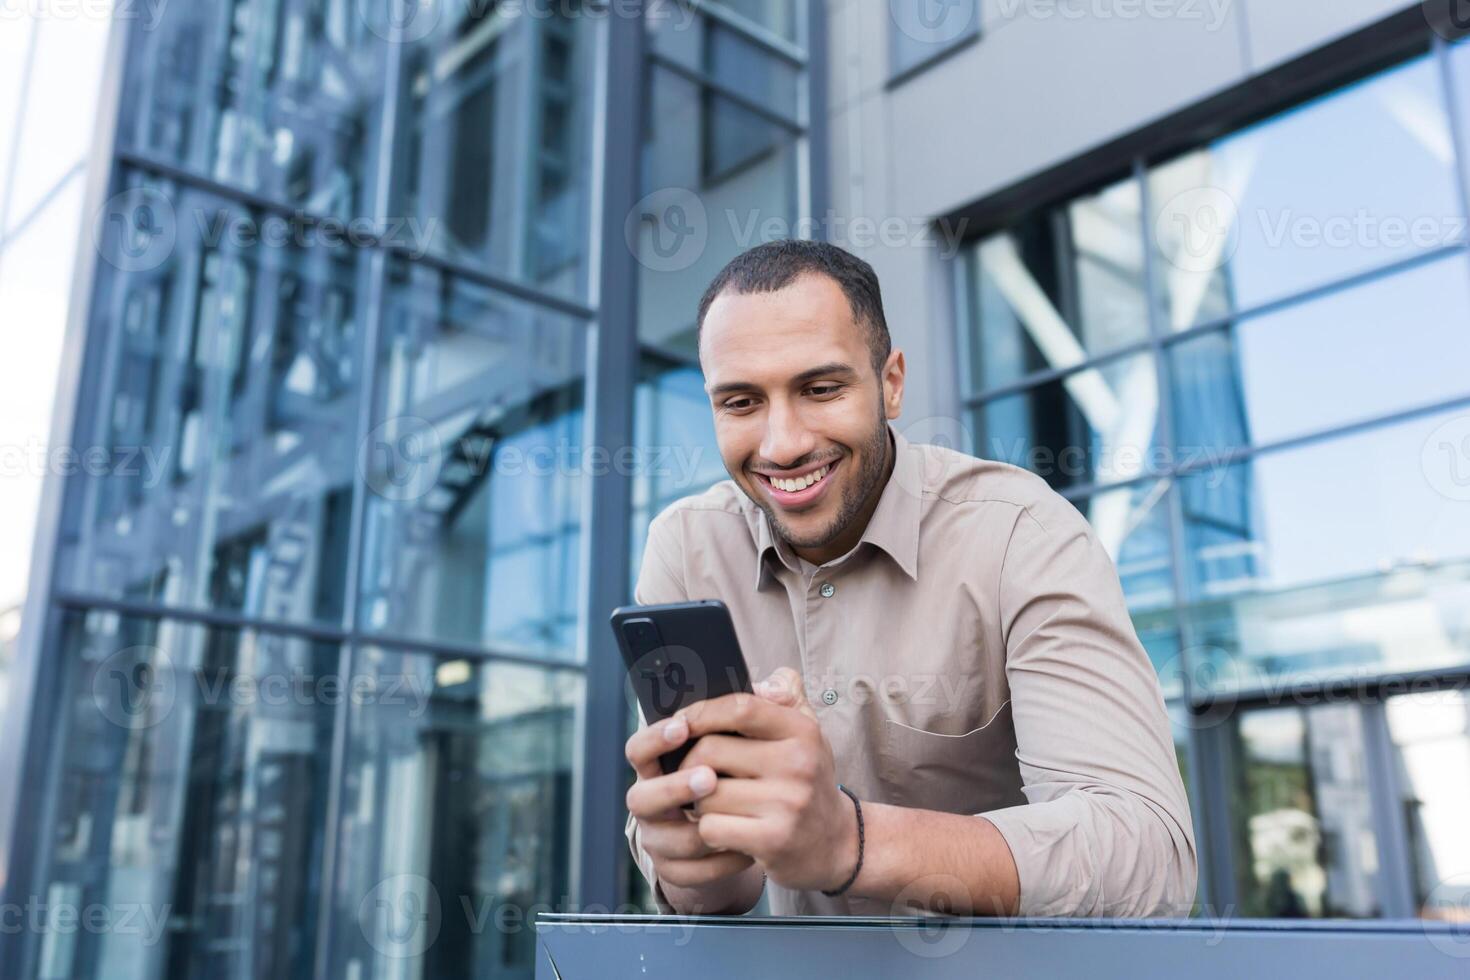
(972, 654)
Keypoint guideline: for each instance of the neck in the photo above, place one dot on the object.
(853, 533)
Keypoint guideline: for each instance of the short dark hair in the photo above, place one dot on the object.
(776, 265)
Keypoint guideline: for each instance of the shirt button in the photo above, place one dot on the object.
(828, 590)
(829, 696)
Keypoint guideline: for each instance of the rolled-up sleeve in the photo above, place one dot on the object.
(659, 580)
(1106, 830)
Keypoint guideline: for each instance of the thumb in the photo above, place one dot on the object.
(784, 687)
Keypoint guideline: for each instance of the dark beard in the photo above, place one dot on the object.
(868, 479)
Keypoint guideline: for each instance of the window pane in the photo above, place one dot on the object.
(718, 180)
(1329, 560)
(192, 787)
(1347, 183)
(1302, 814)
(475, 468)
(1383, 347)
(1431, 739)
(919, 29)
(676, 437)
(1065, 284)
(216, 471)
(785, 18)
(499, 142)
(456, 817)
(722, 54)
(1133, 525)
(1096, 425)
(281, 99)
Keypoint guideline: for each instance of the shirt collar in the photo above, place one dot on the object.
(893, 528)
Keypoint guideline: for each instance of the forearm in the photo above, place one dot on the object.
(943, 862)
(734, 895)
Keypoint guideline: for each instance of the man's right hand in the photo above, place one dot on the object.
(694, 878)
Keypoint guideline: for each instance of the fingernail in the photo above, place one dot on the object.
(675, 730)
(702, 781)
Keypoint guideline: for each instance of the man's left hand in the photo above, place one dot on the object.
(777, 798)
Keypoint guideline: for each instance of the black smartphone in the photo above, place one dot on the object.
(677, 654)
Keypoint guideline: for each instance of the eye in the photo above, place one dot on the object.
(823, 391)
(738, 404)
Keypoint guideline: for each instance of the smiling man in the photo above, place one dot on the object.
(956, 713)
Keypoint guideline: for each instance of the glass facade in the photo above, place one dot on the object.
(318, 636)
(1245, 366)
(318, 662)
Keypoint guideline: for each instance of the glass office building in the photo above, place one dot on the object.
(1245, 364)
(323, 682)
(385, 360)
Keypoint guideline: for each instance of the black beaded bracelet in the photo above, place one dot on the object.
(859, 808)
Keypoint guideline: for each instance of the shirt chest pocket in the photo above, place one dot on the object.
(967, 773)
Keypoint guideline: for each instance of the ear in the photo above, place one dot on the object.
(892, 378)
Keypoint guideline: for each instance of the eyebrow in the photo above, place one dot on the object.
(832, 369)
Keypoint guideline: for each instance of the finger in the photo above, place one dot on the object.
(745, 714)
(740, 797)
(728, 832)
(655, 796)
(651, 741)
(731, 755)
(785, 687)
(702, 871)
(673, 841)
(782, 687)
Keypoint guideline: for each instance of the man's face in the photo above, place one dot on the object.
(800, 414)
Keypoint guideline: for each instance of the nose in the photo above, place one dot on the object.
(786, 439)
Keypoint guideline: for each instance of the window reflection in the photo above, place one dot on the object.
(456, 816)
(194, 772)
(1347, 183)
(721, 180)
(1303, 814)
(229, 366)
(1062, 285)
(675, 429)
(498, 131)
(1431, 738)
(281, 99)
(1387, 346)
(1338, 557)
(475, 468)
(1097, 425)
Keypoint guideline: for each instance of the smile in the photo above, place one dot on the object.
(804, 489)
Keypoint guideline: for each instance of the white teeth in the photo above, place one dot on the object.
(800, 483)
